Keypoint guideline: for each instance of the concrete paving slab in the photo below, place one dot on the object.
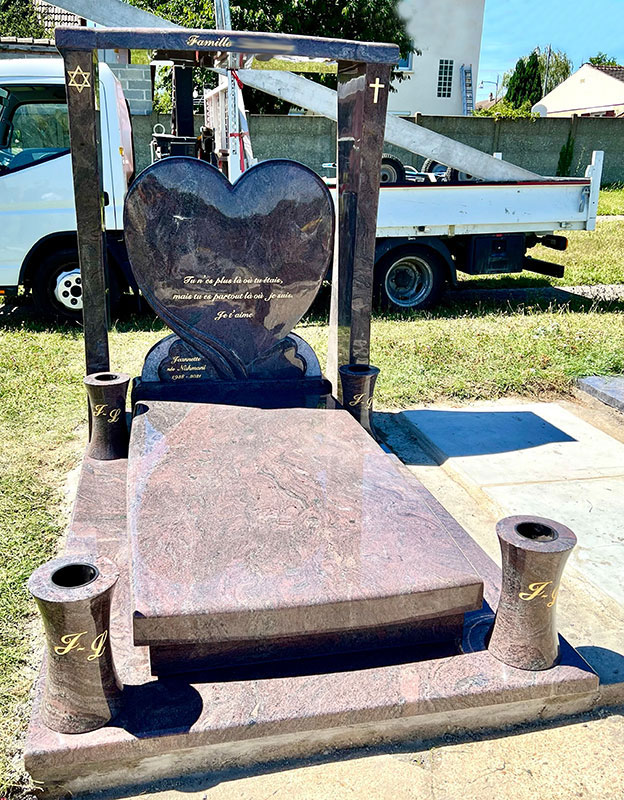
(502, 442)
(572, 761)
(593, 509)
(591, 605)
(609, 390)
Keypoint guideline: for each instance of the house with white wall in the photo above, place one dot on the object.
(592, 91)
(447, 33)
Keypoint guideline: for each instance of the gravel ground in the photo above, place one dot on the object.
(601, 292)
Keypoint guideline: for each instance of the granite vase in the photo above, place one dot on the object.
(358, 385)
(534, 553)
(107, 403)
(81, 690)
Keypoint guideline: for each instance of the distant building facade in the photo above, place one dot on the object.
(443, 78)
(592, 91)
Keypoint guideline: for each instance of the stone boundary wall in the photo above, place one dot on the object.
(533, 144)
(136, 80)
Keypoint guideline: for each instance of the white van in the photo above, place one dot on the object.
(37, 216)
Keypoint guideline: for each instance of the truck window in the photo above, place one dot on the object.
(35, 127)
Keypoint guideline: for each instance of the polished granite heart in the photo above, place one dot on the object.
(230, 268)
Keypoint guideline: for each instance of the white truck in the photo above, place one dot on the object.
(426, 231)
(38, 247)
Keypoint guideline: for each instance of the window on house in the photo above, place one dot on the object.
(445, 77)
(405, 64)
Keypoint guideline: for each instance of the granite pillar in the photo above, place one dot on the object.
(362, 102)
(81, 690)
(107, 405)
(358, 384)
(81, 78)
(534, 552)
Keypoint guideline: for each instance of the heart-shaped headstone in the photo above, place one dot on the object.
(230, 268)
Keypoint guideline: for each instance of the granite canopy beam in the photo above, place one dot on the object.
(226, 41)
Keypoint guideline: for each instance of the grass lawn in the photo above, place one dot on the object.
(457, 353)
(611, 199)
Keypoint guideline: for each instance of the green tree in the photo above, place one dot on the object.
(20, 18)
(515, 84)
(364, 20)
(533, 82)
(566, 154)
(603, 60)
(554, 68)
(504, 110)
(535, 75)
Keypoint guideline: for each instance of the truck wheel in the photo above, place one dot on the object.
(455, 176)
(429, 165)
(449, 174)
(392, 170)
(409, 278)
(57, 286)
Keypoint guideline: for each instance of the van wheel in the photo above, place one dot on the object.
(409, 278)
(392, 170)
(57, 286)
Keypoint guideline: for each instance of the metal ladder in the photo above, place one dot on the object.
(466, 89)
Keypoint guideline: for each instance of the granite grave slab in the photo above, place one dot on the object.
(317, 533)
(177, 725)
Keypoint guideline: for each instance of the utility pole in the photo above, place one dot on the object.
(223, 22)
(547, 70)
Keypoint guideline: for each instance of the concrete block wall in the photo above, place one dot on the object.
(137, 85)
(533, 144)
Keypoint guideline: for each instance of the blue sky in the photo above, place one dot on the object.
(513, 28)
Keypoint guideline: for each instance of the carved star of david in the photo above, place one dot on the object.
(79, 79)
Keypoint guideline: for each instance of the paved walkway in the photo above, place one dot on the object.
(564, 461)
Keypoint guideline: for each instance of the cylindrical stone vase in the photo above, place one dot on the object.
(358, 385)
(81, 689)
(534, 552)
(107, 403)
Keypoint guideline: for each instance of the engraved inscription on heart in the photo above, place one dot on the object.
(230, 268)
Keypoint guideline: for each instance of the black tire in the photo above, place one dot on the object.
(56, 287)
(429, 165)
(409, 278)
(455, 176)
(392, 170)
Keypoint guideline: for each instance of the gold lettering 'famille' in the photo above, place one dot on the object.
(539, 589)
(194, 40)
(359, 400)
(73, 641)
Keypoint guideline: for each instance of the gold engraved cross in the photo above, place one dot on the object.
(79, 79)
(377, 86)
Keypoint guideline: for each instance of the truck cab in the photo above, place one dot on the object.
(37, 213)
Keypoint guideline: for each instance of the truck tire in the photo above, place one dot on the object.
(57, 286)
(392, 170)
(411, 277)
(429, 165)
(449, 174)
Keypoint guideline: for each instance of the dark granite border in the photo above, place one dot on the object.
(609, 389)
